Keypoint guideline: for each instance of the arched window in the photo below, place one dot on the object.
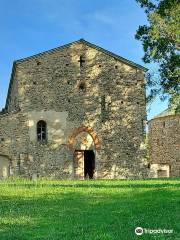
(41, 131)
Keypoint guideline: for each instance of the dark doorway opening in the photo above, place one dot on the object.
(89, 163)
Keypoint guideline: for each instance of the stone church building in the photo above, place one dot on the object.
(164, 144)
(74, 112)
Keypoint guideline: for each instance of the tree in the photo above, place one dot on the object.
(161, 44)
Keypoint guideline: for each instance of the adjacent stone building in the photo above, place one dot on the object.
(72, 112)
(164, 140)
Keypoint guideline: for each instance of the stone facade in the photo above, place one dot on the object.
(164, 140)
(90, 99)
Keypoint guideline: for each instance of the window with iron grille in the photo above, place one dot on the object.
(41, 131)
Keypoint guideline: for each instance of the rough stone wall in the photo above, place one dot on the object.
(164, 140)
(14, 138)
(28, 158)
(112, 103)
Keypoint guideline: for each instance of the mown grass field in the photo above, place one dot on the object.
(92, 210)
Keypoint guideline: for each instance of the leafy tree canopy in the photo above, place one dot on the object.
(161, 44)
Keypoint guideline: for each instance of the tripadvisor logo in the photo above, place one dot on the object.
(139, 231)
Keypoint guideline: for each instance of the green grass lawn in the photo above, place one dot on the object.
(92, 210)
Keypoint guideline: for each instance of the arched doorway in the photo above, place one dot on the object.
(88, 130)
(4, 166)
(84, 143)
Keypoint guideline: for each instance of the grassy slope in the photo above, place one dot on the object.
(88, 209)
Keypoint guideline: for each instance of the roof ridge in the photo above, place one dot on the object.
(91, 45)
(65, 45)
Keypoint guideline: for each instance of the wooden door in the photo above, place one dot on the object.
(4, 167)
(79, 164)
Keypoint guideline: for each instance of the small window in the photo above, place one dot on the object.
(82, 87)
(41, 131)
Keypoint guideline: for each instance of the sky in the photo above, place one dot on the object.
(33, 26)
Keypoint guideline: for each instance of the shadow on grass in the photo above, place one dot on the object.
(92, 184)
(91, 215)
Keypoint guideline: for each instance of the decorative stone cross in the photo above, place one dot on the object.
(81, 61)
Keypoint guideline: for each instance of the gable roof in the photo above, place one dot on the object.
(90, 45)
(131, 63)
(169, 112)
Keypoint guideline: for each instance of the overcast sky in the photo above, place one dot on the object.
(32, 26)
